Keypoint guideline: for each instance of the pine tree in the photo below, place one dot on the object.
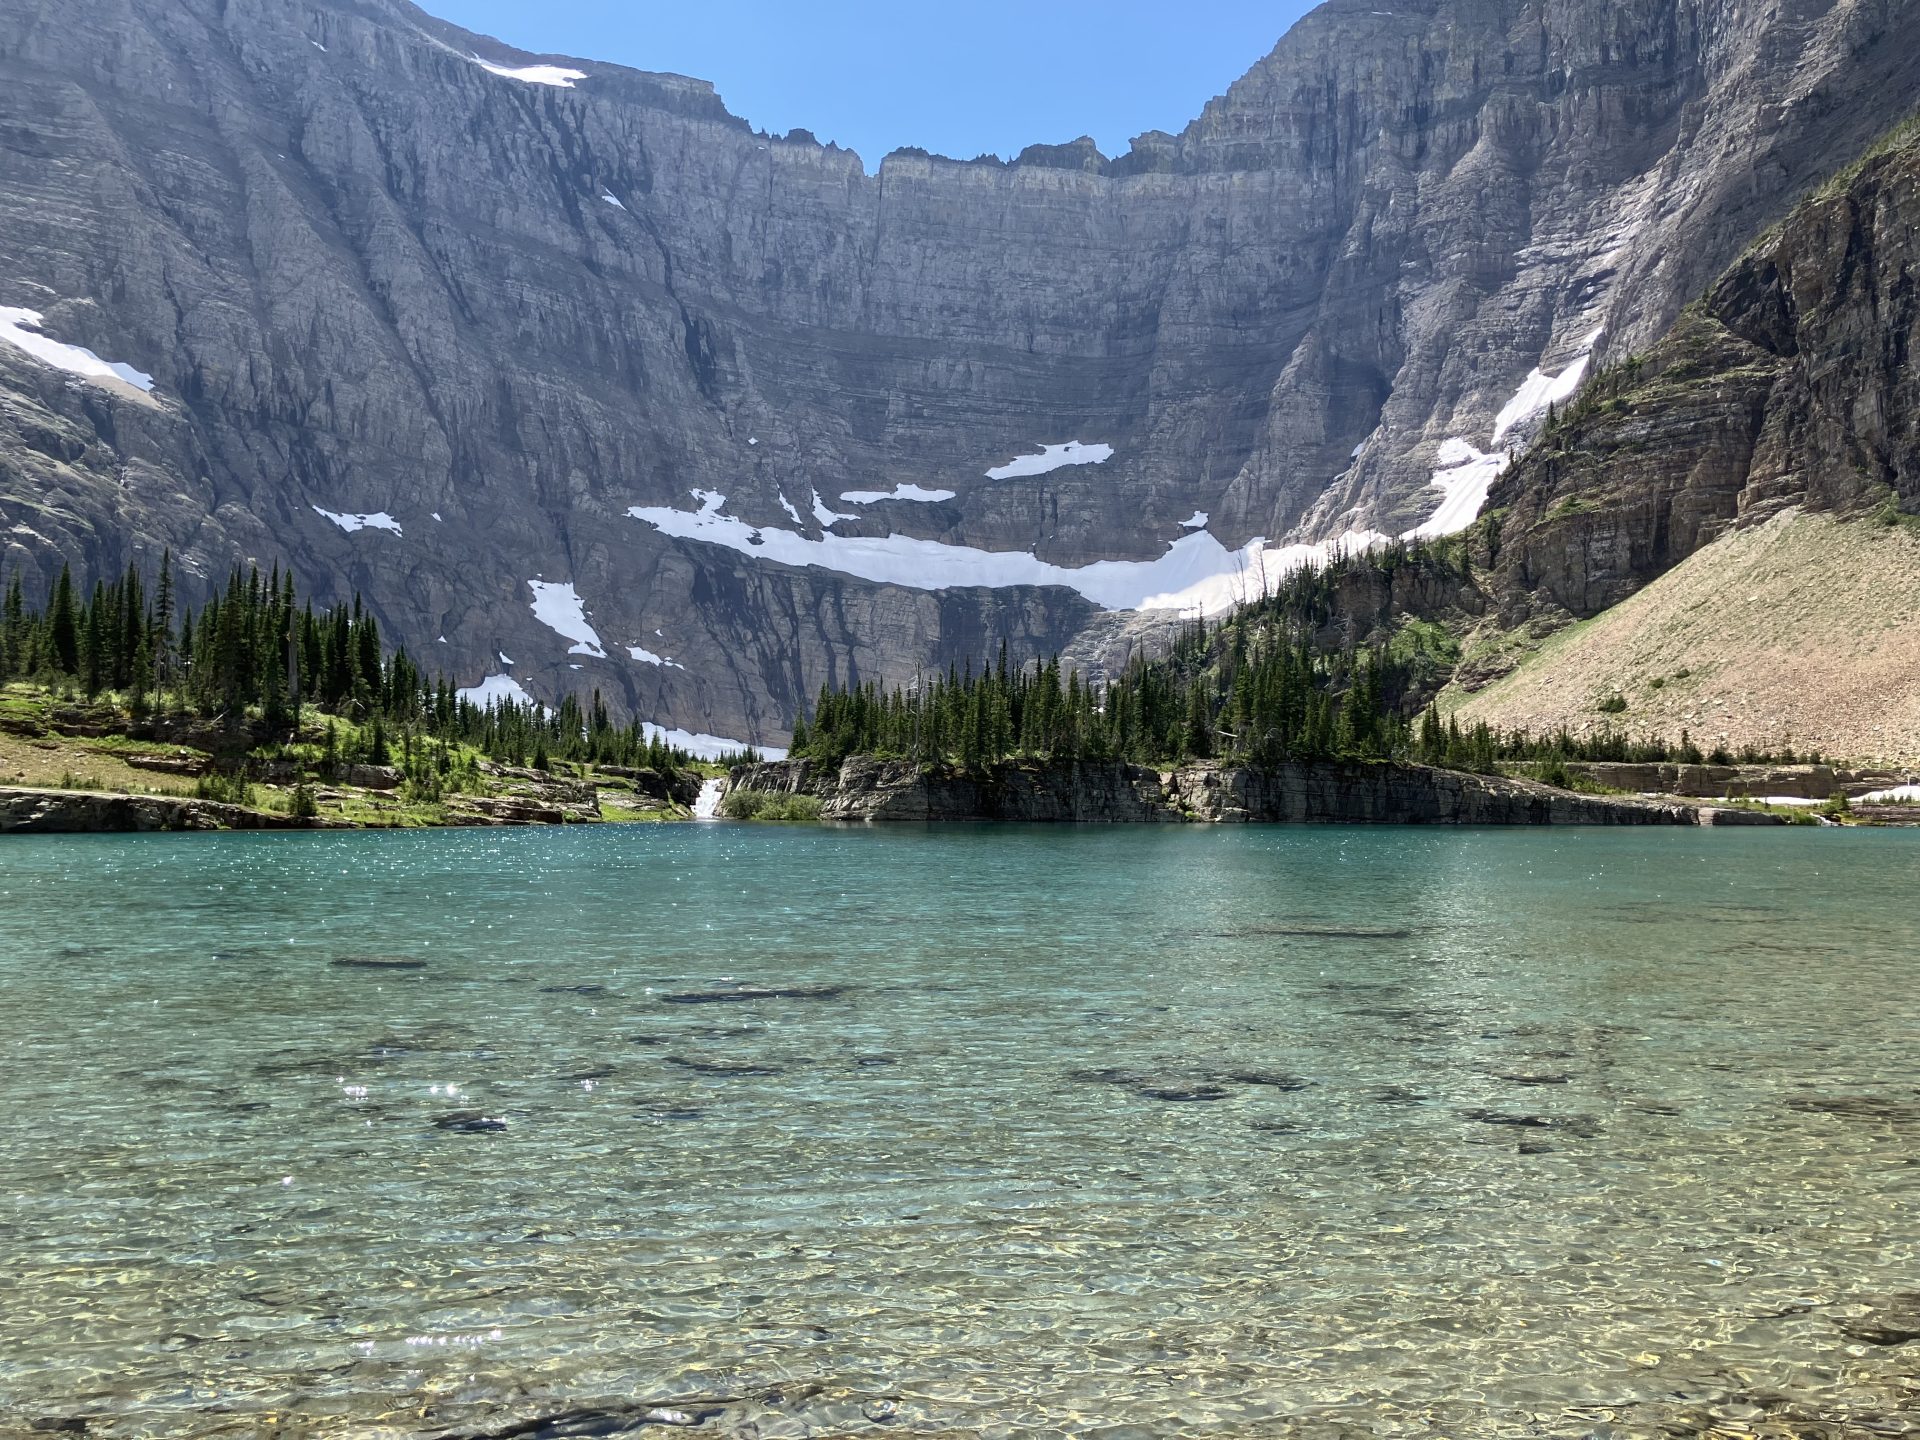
(63, 626)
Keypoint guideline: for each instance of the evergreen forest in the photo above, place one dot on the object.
(255, 657)
(1261, 687)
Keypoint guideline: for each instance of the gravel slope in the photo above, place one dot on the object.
(1805, 630)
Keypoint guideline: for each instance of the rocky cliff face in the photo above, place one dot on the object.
(1302, 793)
(1788, 384)
(466, 330)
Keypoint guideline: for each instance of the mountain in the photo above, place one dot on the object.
(562, 362)
(1736, 510)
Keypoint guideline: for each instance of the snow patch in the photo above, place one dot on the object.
(899, 492)
(532, 74)
(1198, 521)
(1257, 571)
(1467, 473)
(495, 690)
(1052, 457)
(558, 607)
(21, 329)
(1196, 568)
(647, 657)
(1536, 393)
(504, 658)
(436, 515)
(706, 747)
(610, 198)
(1465, 476)
(821, 513)
(792, 514)
(1910, 793)
(380, 520)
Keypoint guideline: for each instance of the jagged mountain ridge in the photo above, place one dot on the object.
(372, 275)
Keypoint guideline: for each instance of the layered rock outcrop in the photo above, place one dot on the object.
(1301, 793)
(1789, 384)
(26, 811)
(425, 318)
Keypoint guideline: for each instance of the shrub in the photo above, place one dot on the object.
(303, 803)
(1613, 705)
(760, 805)
(224, 789)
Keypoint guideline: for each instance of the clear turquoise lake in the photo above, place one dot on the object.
(966, 1131)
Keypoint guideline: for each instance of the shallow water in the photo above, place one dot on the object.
(1134, 1132)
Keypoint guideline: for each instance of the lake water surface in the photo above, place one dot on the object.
(1122, 1133)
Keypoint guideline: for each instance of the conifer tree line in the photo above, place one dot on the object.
(256, 653)
(1258, 688)
(1259, 704)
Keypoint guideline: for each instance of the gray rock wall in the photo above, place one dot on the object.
(1789, 383)
(369, 275)
(1303, 793)
(26, 811)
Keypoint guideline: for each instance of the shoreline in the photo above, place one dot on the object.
(47, 810)
(868, 790)
(864, 790)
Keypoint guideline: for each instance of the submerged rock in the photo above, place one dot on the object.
(573, 990)
(742, 994)
(1394, 1095)
(1857, 1107)
(1182, 1092)
(598, 1421)
(1581, 1125)
(377, 962)
(1107, 1076)
(1523, 1079)
(1271, 1079)
(470, 1122)
(671, 1112)
(1186, 1085)
(724, 1068)
(1890, 1320)
(1310, 932)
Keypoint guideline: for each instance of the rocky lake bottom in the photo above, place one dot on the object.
(963, 1131)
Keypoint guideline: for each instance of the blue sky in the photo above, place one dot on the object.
(958, 78)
